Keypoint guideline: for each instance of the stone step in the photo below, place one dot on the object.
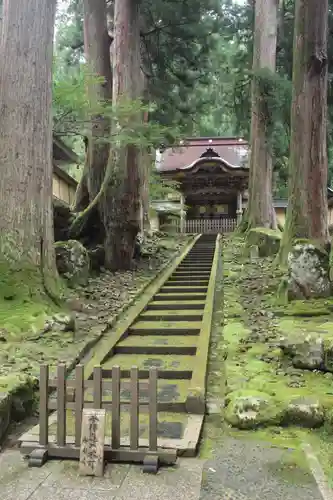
(165, 328)
(174, 305)
(186, 282)
(150, 345)
(178, 289)
(172, 367)
(177, 296)
(171, 315)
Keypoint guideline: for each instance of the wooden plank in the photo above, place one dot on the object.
(97, 389)
(153, 409)
(61, 405)
(79, 399)
(134, 411)
(92, 443)
(115, 429)
(43, 405)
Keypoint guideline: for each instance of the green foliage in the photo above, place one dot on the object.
(161, 189)
(177, 40)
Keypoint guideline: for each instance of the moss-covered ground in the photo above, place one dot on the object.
(245, 357)
(23, 345)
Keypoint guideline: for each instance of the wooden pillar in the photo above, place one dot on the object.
(239, 210)
(182, 214)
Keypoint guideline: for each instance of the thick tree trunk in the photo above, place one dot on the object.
(96, 41)
(123, 228)
(26, 224)
(307, 201)
(260, 209)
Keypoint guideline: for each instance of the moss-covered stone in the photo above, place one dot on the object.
(267, 240)
(308, 271)
(307, 412)
(73, 262)
(251, 409)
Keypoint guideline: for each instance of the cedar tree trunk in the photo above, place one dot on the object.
(124, 226)
(96, 42)
(307, 200)
(145, 167)
(260, 205)
(27, 257)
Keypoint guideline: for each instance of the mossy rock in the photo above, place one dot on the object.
(306, 351)
(73, 262)
(308, 271)
(267, 240)
(305, 412)
(251, 409)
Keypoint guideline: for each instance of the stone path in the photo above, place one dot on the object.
(246, 470)
(60, 481)
(240, 470)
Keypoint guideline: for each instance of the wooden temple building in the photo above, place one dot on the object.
(213, 178)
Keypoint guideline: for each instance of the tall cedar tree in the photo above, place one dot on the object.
(260, 207)
(96, 43)
(307, 200)
(26, 225)
(127, 84)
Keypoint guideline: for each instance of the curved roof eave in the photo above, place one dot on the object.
(226, 166)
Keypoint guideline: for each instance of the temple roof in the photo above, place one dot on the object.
(230, 152)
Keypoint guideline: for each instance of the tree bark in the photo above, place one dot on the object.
(145, 167)
(124, 226)
(307, 211)
(97, 43)
(260, 205)
(27, 255)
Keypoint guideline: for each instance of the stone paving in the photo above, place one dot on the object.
(239, 470)
(59, 480)
(252, 471)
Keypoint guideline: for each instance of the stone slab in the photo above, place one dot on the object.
(177, 483)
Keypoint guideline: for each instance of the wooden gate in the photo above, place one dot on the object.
(204, 226)
(69, 401)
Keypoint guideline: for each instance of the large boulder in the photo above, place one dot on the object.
(249, 410)
(305, 412)
(305, 351)
(73, 262)
(308, 271)
(266, 240)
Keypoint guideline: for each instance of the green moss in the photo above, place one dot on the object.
(231, 305)
(267, 240)
(317, 245)
(267, 232)
(249, 409)
(306, 308)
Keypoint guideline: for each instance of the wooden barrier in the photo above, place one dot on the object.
(206, 226)
(64, 401)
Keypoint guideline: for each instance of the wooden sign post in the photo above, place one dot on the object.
(92, 443)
